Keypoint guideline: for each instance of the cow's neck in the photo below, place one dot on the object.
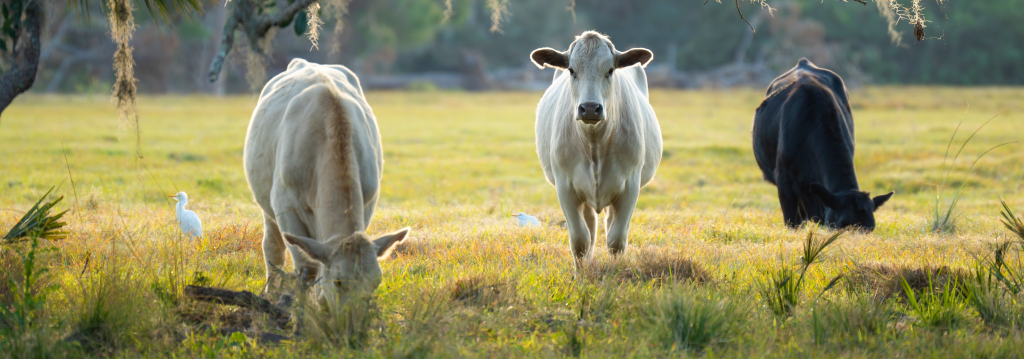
(837, 167)
(338, 201)
(596, 139)
(595, 136)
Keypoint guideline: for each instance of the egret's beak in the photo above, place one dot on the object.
(512, 215)
(174, 196)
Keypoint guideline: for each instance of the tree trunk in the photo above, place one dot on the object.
(22, 74)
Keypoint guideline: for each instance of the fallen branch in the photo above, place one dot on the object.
(244, 299)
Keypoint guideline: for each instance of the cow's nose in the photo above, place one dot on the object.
(590, 111)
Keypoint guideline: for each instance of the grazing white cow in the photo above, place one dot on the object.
(597, 137)
(313, 160)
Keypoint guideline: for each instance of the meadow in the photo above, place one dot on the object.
(710, 270)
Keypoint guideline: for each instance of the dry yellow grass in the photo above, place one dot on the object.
(457, 165)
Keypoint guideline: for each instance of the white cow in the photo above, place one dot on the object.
(597, 136)
(313, 161)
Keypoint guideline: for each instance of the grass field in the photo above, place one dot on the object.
(708, 250)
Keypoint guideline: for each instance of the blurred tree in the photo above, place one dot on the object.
(983, 32)
(20, 41)
(19, 47)
(378, 26)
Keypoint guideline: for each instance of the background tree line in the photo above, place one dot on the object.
(968, 42)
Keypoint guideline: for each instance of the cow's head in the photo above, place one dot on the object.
(348, 265)
(849, 208)
(591, 62)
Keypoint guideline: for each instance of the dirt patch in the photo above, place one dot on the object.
(645, 265)
(483, 292)
(885, 281)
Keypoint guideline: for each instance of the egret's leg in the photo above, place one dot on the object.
(273, 250)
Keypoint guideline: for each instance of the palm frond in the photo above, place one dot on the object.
(38, 222)
(158, 9)
(1012, 222)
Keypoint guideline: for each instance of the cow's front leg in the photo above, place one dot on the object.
(620, 215)
(579, 234)
(306, 270)
(273, 253)
(590, 217)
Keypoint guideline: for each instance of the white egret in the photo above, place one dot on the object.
(189, 222)
(526, 220)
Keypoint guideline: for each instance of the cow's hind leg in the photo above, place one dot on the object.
(789, 200)
(620, 215)
(273, 252)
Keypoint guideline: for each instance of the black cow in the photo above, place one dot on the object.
(803, 142)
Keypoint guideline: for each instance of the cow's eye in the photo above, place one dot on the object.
(572, 72)
(610, 71)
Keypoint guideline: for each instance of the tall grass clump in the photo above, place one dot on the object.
(850, 320)
(996, 291)
(943, 218)
(694, 318)
(113, 307)
(24, 327)
(784, 287)
(358, 325)
(943, 307)
(422, 328)
(349, 327)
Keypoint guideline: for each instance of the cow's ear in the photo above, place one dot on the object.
(880, 200)
(550, 57)
(313, 248)
(387, 242)
(632, 57)
(825, 195)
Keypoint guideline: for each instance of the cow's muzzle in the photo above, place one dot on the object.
(590, 113)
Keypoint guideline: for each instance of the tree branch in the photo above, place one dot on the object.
(244, 14)
(741, 17)
(227, 40)
(22, 74)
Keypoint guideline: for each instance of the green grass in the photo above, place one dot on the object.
(472, 283)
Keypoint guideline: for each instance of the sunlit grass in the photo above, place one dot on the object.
(456, 165)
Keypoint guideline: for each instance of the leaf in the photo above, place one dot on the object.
(3, 45)
(300, 23)
(167, 9)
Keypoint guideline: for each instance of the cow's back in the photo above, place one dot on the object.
(806, 102)
(289, 129)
